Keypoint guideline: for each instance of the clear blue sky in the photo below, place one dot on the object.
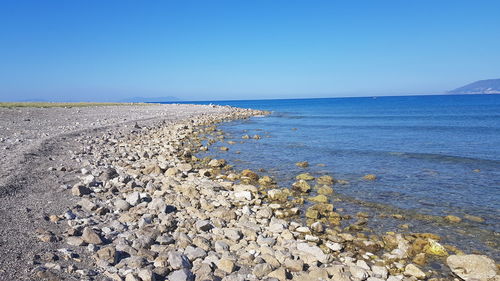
(208, 49)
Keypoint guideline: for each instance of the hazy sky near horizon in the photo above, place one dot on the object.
(204, 50)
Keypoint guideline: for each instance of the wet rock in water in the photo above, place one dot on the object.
(256, 137)
(250, 175)
(452, 219)
(326, 180)
(434, 248)
(91, 237)
(325, 190)
(224, 148)
(370, 177)
(413, 270)
(266, 181)
(301, 186)
(312, 213)
(472, 267)
(303, 164)
(304, 176)
(217, 163)
(318, 199)
(245, 137)
(474, 218)
(420, 259)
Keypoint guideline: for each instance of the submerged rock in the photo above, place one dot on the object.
(453, 219)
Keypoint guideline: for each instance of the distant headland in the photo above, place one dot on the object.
(490, 86)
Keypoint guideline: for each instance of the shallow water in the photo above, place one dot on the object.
(433, 155)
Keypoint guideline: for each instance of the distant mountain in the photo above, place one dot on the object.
(490, 86)
(143, 99)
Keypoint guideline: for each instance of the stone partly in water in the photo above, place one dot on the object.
(278, 194)
(325, 190)
(370, 177)
(452, 219)
(319, 199)
(250, 175)
(303, 164)
(325, 180)
(472, 267)
(434, 248)
(301, 186)
(304, 176)
(413, 270)
(266, 181)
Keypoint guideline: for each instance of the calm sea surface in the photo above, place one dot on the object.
(433, 155)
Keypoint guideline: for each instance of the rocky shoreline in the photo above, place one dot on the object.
(147, 208)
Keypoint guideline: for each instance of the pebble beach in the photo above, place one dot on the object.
(119, 193)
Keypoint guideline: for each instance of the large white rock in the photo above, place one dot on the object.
(470, 267)
(313, 251)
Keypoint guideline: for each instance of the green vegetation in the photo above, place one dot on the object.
(62, 104)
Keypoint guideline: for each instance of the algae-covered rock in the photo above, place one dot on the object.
(319, 198)
(304, 176)
(453, 219)
(434, 248)
(325, 190)
(327, 180)
(302, 186)
(266, 181)
(250, 175)
(420, 259)
(312, 213)
(303, 164)
(370, 177)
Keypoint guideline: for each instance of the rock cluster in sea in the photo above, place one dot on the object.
(148, 209)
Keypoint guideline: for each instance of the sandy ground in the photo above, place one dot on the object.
(34, 168)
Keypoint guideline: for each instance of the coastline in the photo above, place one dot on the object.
(180, 217)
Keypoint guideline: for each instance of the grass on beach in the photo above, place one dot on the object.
(62, 104)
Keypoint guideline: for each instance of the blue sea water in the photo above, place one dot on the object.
(432, 155)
